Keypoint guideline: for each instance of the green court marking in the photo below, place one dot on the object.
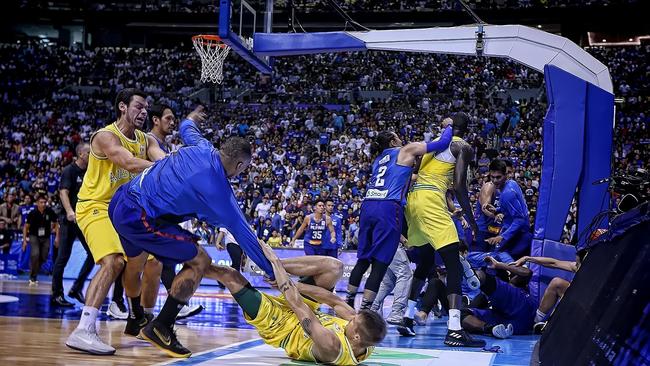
(395, 355)
(380, 354)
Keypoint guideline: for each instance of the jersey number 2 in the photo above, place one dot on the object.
(380, 173)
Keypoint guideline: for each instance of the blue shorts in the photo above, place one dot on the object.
(509, 305)
(316, 250)
(138, 233)
(380, 227)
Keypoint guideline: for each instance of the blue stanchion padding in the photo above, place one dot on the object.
(285, 44)
(597, 158)
(542, 276)
(569, 101)
(548, 161)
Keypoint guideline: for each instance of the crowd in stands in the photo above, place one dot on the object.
(212, 6)
(54, 97)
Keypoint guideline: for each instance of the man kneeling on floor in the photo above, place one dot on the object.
(513, 308)
(292, 321)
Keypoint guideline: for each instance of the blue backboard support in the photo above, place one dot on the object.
(236, 39)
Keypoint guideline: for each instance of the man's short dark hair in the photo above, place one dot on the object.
(461, 123)
(498, 165)
(509, 163)
(373, 329)
(126, 96)
(236, 148)
(156, 110)
(319, 200)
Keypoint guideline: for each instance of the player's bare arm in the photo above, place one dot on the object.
(326, 346)
(328, 221)
(301, 230)
(485, 198)
(464, 154)
(321, 295)
(548, 262)
(154, 152)
(106, 144)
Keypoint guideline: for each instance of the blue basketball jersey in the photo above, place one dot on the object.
(337, 222)
(389, 181)
(315, 230)
(484, 222)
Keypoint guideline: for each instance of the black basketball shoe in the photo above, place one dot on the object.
(165, 339)
(133, 326)
(460, 338)
(407, 328)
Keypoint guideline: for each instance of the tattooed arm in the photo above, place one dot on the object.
(326, 345)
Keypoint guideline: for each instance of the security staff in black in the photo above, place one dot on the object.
(71, 180)
(40, 224)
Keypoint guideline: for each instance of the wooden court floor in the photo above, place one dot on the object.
(33, 333)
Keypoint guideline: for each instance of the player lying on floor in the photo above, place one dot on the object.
(292, 321)
(513, 309)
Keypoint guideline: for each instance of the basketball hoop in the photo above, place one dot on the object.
(213, 52)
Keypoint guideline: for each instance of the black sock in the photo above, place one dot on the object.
(169, 312)
(349, 298)
(135, 309)
(365, 304)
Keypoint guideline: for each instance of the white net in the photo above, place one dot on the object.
(213, 52)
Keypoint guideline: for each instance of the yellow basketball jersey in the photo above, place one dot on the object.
(298, 345)
(279, 326)
(103, 177)
(437, 171)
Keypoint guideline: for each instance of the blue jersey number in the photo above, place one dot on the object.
(380, 173)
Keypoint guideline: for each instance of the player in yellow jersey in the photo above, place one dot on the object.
(430, 223)
(118, 152)
(292, 321)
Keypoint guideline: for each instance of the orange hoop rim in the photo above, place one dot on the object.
(209, 40)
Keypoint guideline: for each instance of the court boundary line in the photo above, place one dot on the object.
(215, 353)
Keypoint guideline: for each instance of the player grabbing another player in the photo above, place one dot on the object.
(192, 182)
(293, 323)
(382, 209)
(162, 122)
(429, 223)
(117, 152)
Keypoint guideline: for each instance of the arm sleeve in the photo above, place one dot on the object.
(442, 143)
(231, 217)
(512, 206)
(191, 135)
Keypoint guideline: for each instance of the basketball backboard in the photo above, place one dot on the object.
(239, 20)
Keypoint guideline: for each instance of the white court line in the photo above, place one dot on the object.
(172, 361)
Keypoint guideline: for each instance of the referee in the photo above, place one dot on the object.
(71, 180)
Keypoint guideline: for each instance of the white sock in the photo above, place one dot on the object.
(454, 319)
(539, 316)
(148, 310)
(410, 309)
(88, 318)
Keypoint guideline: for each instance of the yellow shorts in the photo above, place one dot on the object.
(96, 226)
(428, 219)
(275, 320)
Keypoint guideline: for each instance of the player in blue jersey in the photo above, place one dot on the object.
(512, 308)
(514, 237)
(337, 222)
(383, 207)
(192, 182)
(162, 122)
(314, 226)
